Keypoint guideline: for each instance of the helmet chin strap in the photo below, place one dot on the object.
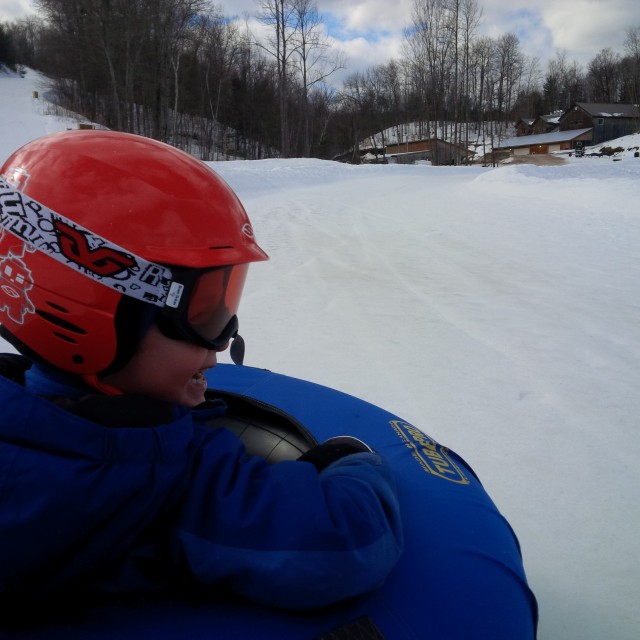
(93, 381)
(236, 350)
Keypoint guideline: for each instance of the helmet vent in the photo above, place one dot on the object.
(57, 307)
(63, 324)
(62, 336)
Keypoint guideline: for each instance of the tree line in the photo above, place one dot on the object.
(183, 72)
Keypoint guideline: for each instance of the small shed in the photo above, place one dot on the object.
(538, 125)
(434, 150)
(523, 126)
(545, 124)
(545, 142)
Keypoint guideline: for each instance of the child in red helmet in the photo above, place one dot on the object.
(122, 263)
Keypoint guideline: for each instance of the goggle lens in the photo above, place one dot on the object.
(206, 313)
(215, 300)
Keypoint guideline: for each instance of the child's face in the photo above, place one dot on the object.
(166, 369)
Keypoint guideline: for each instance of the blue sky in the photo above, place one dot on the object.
(370, 31)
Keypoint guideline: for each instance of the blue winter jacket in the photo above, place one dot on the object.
(139, 507)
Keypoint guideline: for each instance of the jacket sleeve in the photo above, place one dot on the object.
(285, 535)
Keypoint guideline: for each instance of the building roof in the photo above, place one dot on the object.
(407, 146)
(554, 116)
(543, 138)
(610, 110)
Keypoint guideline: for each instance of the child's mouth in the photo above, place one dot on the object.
(199, 379)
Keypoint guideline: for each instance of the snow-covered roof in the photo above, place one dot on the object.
(543, 138)
(610, 110)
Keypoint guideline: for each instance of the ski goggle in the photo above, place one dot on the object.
(202, 305)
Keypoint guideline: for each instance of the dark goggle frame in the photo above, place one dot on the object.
(202, 304)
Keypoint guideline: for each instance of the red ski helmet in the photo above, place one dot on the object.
(96, 225)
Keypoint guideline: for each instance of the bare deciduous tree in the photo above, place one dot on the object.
(315, 60)
(604, 76)
(631, 70)
(281, 16)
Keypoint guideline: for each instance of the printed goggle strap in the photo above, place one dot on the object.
(80, 249)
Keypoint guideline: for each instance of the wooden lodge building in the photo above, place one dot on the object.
(539, 125)
(584, 123)
(607, 121)
(546, 142)
(434, 150)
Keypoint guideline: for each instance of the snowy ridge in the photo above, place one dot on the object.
(587, 170)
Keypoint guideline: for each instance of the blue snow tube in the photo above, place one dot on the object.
(461, 575)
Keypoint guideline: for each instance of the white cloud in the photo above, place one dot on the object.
(370, 31)
(592, 25)
(370, 15)
(13, 9)
(362, 54)
(239, 7)
(581, 27)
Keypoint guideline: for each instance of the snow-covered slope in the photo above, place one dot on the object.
(496, 309)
